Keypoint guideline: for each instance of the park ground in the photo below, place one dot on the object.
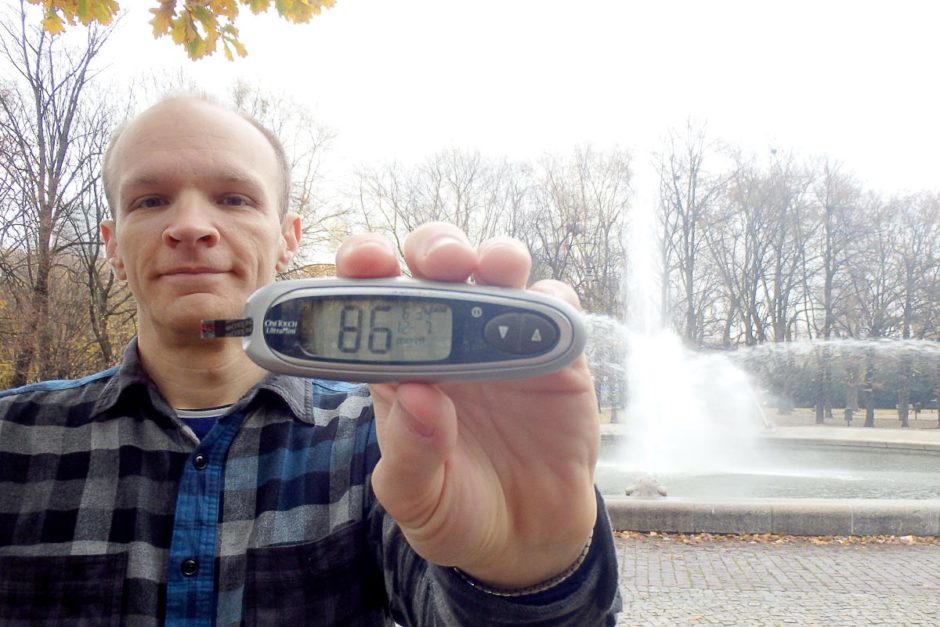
(706, 579)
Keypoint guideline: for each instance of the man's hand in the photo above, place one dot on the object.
(494, 477)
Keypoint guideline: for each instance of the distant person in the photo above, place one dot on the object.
(188, 486)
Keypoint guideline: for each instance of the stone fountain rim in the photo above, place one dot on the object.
(791, 516)
(783, 516)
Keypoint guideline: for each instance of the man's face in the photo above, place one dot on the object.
(197, 227)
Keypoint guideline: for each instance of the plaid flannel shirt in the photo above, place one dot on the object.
(112, 512)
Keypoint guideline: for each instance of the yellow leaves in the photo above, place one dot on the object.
(224, 8)
(199, 25)
(58, 13)
(300, 11)
(196, 25)
(231, 43)
(101, 11)
(257, 6)
(162, 20)
(53, 24)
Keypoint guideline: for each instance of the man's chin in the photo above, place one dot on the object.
(186, 314)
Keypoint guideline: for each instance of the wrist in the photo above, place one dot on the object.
(536, 588)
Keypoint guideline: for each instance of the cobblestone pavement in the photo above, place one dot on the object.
(738, 582)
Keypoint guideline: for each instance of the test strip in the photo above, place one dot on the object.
(241, 327)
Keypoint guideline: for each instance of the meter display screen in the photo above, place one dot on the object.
(376, 329)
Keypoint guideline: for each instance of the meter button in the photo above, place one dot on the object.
(503, 332)
(538, 334)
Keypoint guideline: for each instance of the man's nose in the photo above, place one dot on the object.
(190, 222)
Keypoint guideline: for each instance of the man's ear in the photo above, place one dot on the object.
(290, 240)
(111, 249)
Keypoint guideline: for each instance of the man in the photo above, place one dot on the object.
(119, 504)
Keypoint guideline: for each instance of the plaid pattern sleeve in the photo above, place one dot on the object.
(113, 513)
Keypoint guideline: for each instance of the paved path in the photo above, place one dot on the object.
(726, 581)
(928, 439)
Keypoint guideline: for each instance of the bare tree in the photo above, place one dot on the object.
(918, 220)
(108, 306)
(306, 141)
(790, 226)
(481, 196)
(575, 225)
(44, 124)
(837, 197)
(739, 250)
(756, 243)
(872, 293)
(688, 192)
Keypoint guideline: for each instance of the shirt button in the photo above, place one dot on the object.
(189, 567)
(200, 461)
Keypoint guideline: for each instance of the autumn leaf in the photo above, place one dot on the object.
(230, 43)
(209, 24)
(181, 31)
(52, 23)
(224, 8)
(257, 6)
(196, 25)
(300, 11)
(100, 11)
(58, 13)
(162, 19)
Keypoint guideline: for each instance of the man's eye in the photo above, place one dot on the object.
(235, 201)
(150, 202)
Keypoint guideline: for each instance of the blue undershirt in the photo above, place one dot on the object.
(201, 421)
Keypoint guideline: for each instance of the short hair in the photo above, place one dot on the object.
(283, 165)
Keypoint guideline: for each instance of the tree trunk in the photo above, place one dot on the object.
(23, 361)
(851, 393)
(44, 351)
(783, 366)
(869, 391)
(904, 389)
(937, 395)
(823, 384)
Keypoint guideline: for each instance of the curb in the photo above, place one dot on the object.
(609, 437)
(805, 517)
(900, 445)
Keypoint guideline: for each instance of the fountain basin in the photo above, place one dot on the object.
(802, 480)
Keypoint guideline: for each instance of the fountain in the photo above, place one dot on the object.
(695, 427)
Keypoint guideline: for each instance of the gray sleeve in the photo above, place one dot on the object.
(423, 594)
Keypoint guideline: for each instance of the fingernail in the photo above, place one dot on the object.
(443, 241)
(365, 247)
(502, 244)
(380, 243)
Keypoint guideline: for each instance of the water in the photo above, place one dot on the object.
(694, 421)
(780, 471)
(687, 411)
(848, 348)
(696, 425)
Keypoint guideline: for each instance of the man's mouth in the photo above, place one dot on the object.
(192, 271)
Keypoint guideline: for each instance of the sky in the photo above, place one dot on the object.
(856, 81)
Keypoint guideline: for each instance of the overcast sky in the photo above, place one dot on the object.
(854, 80)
